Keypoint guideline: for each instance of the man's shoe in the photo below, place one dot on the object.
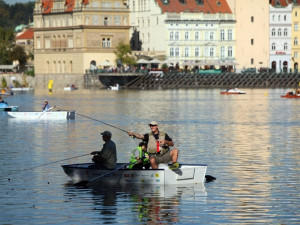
(174, 166)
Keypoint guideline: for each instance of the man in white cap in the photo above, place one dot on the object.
(158, 146)
(107, 157)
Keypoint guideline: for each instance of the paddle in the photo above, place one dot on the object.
(86, 182)
(45, 112)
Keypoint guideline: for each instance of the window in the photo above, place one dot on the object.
(285, 32)
(70, 43)
(176, 35)
(279, 32)
(296, 55)
(296, 14)
(252, 41)
(273, 46)
(38, 45)
(186, 36)
(252, 61)
(222, 34)
(230, 34)
(186, 52)
(284, 17)
(295, 41)
(230, 54)
(278, 17)
(211, 36)
(252, 19)
(211, 52)
(285, 47)
(206, 51)
(47, 43)
(222, 52)
(177, 52)
(171, 35)
(197, 52)
(273, 18)
(108, 43)
(273, 32)
(197, 36)
(206, 35)
(296, 28)
(172, 51)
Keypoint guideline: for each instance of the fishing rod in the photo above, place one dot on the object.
(96, 120)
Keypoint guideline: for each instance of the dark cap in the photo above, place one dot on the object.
(106, 133)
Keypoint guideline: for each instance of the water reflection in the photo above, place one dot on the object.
(151, 204)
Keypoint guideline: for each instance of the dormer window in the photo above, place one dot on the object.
(218, 3)
(182, 1)
(165, 2)
(200, 2)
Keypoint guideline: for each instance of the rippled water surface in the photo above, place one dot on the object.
(251, 144)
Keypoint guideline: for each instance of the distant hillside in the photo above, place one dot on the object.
(13, 15)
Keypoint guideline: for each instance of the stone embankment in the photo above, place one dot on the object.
(224, 80)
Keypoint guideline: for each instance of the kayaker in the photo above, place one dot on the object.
(158, 147)
(46, 106)
(139, 157)
(107, 157)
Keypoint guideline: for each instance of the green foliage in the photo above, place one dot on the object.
(123, 54)
(13, 15)
(16, 83)
(3, 83)
(164, 66)
(18, 53)
(30, 73)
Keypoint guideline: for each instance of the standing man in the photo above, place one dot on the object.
(159, 146)
(107, 157)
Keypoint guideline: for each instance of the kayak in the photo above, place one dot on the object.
(8, 108)
(185, 174)
(46, 115)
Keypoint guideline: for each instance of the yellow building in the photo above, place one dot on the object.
(72, 36)
(295, 37)
(252, 33)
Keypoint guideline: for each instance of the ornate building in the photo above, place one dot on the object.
(72, 36)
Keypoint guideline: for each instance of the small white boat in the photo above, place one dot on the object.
(70, 88)
(234, 91)
(185, 174)
(22, 89)
(46, 115)
(116, 87)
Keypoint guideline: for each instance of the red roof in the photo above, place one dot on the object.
(47, 6)
(283, 3)
(192, 6)
(26, 35)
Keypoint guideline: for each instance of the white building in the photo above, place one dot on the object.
(280, 37)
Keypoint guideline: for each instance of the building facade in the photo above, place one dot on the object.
(72, 36)
(252, 33)
(295, 36)
(280, 36)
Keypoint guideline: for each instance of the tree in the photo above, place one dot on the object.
(123, 54)
(18, 53)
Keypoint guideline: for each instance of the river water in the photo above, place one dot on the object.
(251, 144)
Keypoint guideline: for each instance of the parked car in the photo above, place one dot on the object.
(249, 70)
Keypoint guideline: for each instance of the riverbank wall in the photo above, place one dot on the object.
(157, 81)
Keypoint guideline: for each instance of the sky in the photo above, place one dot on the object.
(11, 2)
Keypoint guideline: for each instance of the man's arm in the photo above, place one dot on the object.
(135, 135)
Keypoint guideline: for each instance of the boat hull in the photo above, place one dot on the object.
(290, 96)
(57, 115)
(232, 93)
(22, 89)
(186, 174)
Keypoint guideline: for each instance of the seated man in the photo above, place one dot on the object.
(107, 157)
(139, 157)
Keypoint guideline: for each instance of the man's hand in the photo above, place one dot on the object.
(95, 152)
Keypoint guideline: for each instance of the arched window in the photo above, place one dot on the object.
(285, 32)
(212, 52)
(177, 52)
(186, 36)
(171, 35)
(176, 35)
(197, 36)
(197, 52)
(285, 47)
(172, 52)
(279, 32)
(186, 52)
(230, 53)
(222, 51)
(222, 34)
(273, 46)
(273, 32)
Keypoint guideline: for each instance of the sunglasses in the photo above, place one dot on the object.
(152, 125)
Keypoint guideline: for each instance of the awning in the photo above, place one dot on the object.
(143, 61)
